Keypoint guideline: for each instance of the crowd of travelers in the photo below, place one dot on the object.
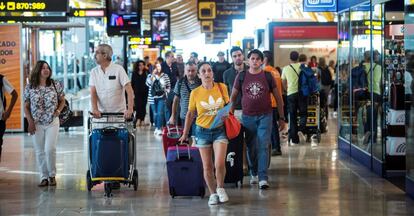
(263, 98)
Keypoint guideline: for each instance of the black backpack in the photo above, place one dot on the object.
(3, 98)
(156, 88)
(268, 75)
(326, 77)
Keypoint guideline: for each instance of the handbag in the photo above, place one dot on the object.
(66, 113)
(231, 124)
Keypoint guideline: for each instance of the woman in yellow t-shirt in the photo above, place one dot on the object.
(205, 101)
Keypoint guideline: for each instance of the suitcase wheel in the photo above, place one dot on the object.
(108, 189)
(89, 183)
(135, 180)
(202, 192)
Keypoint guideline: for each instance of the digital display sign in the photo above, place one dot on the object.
(160, 27)
(319, 6)
(123, 17)
(34, 5)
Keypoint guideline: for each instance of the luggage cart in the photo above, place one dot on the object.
(111, 152)
(313, 121)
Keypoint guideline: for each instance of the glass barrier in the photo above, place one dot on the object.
(343, 77)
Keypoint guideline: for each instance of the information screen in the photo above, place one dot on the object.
(123, 17)
(160, 27)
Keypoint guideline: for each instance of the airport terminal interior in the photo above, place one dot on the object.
(354, 157)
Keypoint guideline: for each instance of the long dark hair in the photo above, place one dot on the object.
(136, 66)
(36, 72)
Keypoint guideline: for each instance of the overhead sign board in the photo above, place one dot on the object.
(34, 5)
(19, 19)
(216, 26)
(123, 17)
(305, 32)
(319, 6)
(221, 9)
(86, 13)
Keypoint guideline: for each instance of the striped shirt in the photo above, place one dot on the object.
(184, 94)
(165, 83)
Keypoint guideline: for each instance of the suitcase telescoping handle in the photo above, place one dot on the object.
(188, 148)
(169, 128)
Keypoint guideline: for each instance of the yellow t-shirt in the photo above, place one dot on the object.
(207, 102)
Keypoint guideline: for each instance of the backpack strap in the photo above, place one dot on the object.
(294, 69)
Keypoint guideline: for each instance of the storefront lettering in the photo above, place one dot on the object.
(7, 51)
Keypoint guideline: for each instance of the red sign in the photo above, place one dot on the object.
(305, 32)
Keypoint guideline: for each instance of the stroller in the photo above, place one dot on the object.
(111, 152)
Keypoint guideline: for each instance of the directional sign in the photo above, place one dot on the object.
(34, 5)
(319, 6)
(86, 13)
(221, 9)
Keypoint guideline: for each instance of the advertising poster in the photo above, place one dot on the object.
(160, 27)
(11, 68)
(123, 17)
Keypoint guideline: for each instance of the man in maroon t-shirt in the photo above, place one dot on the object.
(255, 88)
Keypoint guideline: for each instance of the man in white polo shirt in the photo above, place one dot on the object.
(108, 82)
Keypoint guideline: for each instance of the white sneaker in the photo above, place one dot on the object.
(301, 135)
(313, 144)
(263, 184)
(292, 143)
(222, 195)
(254, 179)
(214, 199)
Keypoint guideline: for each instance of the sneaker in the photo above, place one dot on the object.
(52, 181)
(291, 143)
(214, 199)
(254, 179)
(313, 144)
(43, 183)
(222, 195)
(263, 184)
(301, 135)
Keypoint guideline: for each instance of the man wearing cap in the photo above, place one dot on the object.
(219, 67)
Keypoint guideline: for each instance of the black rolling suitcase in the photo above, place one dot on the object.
(234, 161)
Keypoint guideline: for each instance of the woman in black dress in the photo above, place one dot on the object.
(139, 76)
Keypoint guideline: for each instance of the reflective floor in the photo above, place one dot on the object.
(305, 180)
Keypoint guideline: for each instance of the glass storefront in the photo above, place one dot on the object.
(409, 86)
(371, 69)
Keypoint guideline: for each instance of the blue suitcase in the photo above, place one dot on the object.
(109, 154)
(185, 171)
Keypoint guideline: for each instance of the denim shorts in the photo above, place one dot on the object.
(206, 137)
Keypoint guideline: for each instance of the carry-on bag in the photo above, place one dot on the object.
(170, 136)
(109, 154)
(234, 161)
(185, 171)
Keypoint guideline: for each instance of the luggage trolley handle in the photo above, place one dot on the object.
(115, 114)
(188, 148)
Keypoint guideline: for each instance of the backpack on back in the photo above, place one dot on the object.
(326, 77)
(156, 88)
(307, 82)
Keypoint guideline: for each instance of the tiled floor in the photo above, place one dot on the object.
(304, 181)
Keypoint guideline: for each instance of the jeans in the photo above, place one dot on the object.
(158, 109)
(377, 103)
(275, 138)
(2, 129)
(45, 140)
(258, 129)
(297, 102)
